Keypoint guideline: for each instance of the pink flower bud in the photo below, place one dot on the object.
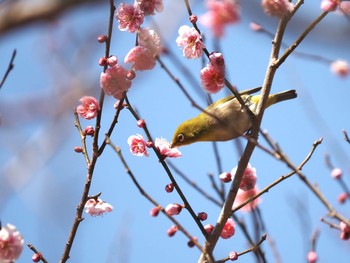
(312, 257)
(277, 8)
(102, 38)
(202, 216)
(193, 19)
(342, 198)
(169, 188)
(173, 209)
(336, 173)
(191, 242)
(149, 144)
(229, 229)
(329, 5)
(89, 130)
(154, 211)
(78, 149)
(172, 231)
(209, 228)
(36, 257)
(255, 27)
(112, 61)
(130, 75)
(233, 255)
(116, 105)
(345, 231)
(225, 177)
(102, 62)
(340, 67)
(141, 123)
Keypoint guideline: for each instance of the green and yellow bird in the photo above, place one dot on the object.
(225, 119)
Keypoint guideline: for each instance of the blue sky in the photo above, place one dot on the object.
(43, 177)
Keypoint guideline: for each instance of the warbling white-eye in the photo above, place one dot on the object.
(225, 119)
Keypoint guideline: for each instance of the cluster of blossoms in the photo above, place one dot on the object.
(97, 207)
(219, 15)
(138, 147)
(11, 244)
(247, 187)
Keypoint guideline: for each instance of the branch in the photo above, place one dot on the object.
(10, 67)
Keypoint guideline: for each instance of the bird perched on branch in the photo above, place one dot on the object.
(225, 119)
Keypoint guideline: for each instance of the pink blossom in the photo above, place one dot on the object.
(114, 81)
(149, 39)
(312, 257)
(225, 177)
(89, 107)
(209, 228)
(249, 177)
(97, 207)
(112, 61)
(173, 209)
(233, 256)
(164, 149)
(11, 243)
(229, 229)
(336, 173)
(141, 123)
(340, 67)
(345, 8)
(212, 78)
(329, 5)
(172, 231)
(89, 130)
(129, 17)
(345, 231)
(150, 6)
(220, 14)
(242, 196)
(217, 60)
(278, 8)
(141, 57)
(255, 27)
(191, 42)
(137, 145)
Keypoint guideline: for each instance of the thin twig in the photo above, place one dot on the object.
(167, 170)
(147, 196)
(9, 68)
(42, 258)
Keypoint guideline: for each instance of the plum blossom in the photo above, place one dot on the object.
(342, 197)
(330, 5)
(249, 177)
(149, 39)
(229, 229)
(150, 6)
(336, 173)
(164, 149)
(130, 17)
(97, 207)
(114, 81)
(220, 14)
(209, 228)
(277, 8)
(242, 196)
(89, 107)
(141, 58)
(172, 231)
(225, 177)
(154, 211)
(212, 78)
(11, 243)
(138, 145)
(191, 42)
(340, 67)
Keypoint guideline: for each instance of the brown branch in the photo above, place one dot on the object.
(16, 14)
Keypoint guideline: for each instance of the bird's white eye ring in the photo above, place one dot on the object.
(180, 137)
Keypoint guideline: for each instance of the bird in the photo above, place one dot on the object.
(225, 119)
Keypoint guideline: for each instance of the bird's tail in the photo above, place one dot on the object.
(281, 96)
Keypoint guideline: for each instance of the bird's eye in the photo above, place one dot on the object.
(180, 137)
